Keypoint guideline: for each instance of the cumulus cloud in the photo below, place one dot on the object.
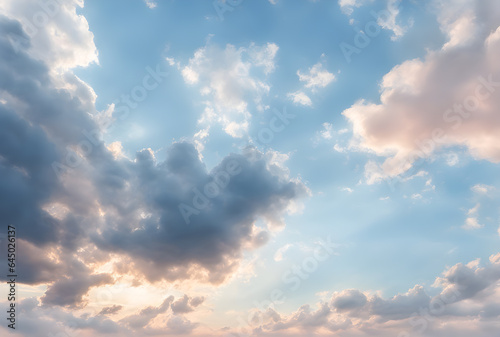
(463, 282)
(233, 80)
(151, 4)
(203, 246)
(449, 98)
(186, 304)
(472, 222)
(70, 291)
(175, 325)
(326, 133)
(469, 296)
(348, 6)
(348, 300)
(300, 98)
(146, 315)
(315, 78)
(389, 20)
(57, 34)
(39, 320)
(110, 310)
(78, 203)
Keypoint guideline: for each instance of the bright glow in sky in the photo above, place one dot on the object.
(251, 168)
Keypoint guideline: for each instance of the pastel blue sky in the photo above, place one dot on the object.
(262, 168)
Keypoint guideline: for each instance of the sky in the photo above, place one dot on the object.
(281, 168)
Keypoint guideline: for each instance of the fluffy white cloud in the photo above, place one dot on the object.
(151, 4)
(326, 133)
(300, 97)
(450, 98)
(57, 35)
(348, 6)
(230, 80)
(316, 77)
(387, 21)
(390, 22)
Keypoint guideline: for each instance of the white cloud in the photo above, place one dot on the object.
(200, 139)
(278, 256)
(300, 97)
(58, 35)
(151, 4)
(472, 222)
(229, 79)
(327, 131)
(339, 148)
(482, 189)
(429, 185)
(449, 98)
(390, 22)
(387, 19)
(329, 135)
(316, 77)
(263, 56)
(190, 76)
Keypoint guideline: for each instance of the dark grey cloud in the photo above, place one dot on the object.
(162, 245)
(185, 304)
(33, 264)
(400, 306)
(71, 288)
(27, 179)
(37, 123)
(464, 281)
(196, 301)
(110, 310)
(57, 178)
(348, 300)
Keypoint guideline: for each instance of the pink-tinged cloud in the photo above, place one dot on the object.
(449, 98)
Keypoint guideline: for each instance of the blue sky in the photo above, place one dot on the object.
(355, 143)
